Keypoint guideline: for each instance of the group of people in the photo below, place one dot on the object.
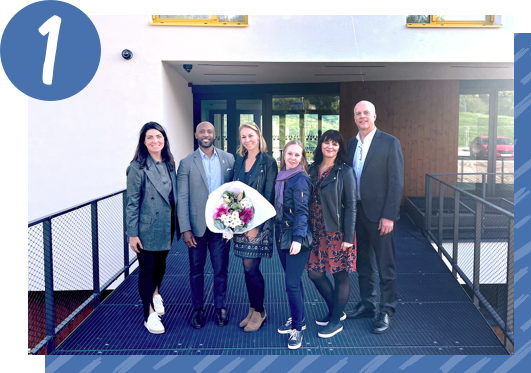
(335, 216)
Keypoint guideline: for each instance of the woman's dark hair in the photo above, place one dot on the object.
(142, 153)
(334, 136)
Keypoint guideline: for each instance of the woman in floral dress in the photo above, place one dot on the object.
(333, 220)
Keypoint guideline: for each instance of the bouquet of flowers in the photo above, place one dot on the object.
(235, 208)
(235, 211)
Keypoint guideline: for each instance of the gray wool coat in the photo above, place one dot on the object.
(148, 213)
(193, 190)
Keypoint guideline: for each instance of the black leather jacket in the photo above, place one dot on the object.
(262, 178)
(338, 198)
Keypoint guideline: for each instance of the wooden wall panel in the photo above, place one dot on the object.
(423, 115)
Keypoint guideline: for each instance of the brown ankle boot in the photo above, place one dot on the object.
(256, 322)
(245, 321)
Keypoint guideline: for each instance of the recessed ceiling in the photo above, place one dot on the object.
(217, 73)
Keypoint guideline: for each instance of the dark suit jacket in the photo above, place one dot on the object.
(382, 177)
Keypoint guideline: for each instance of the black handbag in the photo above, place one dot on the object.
(286, 238)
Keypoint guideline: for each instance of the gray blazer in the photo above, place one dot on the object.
(193, 190)
(148, 213)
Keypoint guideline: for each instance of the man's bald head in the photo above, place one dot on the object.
(367, 104)
(204, 125)
(205, 133)
(364, 116)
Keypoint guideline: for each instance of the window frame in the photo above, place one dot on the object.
(435, 21)
(492, 88)
(212, 20)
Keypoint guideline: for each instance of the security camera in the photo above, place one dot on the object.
(127, 54)
(188, 68)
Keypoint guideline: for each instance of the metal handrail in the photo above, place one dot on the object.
(51, 330)
(476, 198)
(507, 327)
(70, 209)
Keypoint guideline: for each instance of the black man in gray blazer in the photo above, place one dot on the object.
(198, 175)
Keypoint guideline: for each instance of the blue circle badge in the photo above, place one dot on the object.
(50, 50)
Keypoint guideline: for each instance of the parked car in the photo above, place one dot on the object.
(297, 106)
(479, 148)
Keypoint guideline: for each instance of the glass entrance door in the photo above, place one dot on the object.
(281, 118)
(226, 115)
(215, 112)
(248, 111)
(304, 119)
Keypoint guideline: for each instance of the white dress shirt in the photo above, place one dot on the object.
(361, 153)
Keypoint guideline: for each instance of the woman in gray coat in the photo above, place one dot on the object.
(151, 216)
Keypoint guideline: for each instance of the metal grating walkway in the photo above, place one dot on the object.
(434, 315)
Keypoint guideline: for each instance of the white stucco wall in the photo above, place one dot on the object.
(79, 147)
(332, 39)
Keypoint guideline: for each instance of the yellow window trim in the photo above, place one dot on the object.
(211, 21)
(435, 21)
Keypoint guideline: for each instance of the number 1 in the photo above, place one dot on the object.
(51, 27)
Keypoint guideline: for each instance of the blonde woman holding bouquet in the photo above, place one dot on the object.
(258, 170)
(292, 234)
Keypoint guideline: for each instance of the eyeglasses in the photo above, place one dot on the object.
(361, 151)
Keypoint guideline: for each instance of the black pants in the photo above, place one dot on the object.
(152, 266)
(254, 282)
(219, 257)
(373, 248)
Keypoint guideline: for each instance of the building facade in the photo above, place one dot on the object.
(294, 75)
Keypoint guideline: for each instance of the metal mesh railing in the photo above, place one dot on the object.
(470, 218)
(73, 256)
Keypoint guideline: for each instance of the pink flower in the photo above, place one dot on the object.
(221, 210)
(246, 215)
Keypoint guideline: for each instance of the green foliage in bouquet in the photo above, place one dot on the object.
(219, 224)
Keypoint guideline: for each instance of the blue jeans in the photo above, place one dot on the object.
(219, 257)
(294, 266)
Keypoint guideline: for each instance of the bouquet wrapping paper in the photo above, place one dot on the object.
(263, 210)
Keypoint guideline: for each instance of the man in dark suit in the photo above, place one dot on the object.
(200, 174)
(377, 160)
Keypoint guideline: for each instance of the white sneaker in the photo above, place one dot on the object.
(159, 307)
(154, 325)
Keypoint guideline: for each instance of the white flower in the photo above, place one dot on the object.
(246, 203)
(236, 223)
